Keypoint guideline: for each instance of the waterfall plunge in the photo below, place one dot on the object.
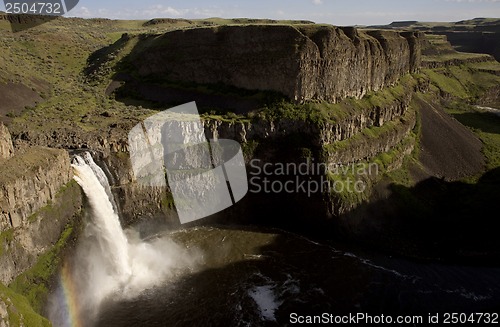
(110, 262)
(106, 223)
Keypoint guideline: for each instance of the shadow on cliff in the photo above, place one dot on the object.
(487, 122)
(434, 219)
(154, 92)
(212, 99)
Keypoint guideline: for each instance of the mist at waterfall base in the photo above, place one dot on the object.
(241, 276)
(110, 262)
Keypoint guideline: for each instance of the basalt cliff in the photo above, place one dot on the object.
(306, 62)
(478, 35)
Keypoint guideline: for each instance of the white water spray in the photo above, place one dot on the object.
(99, 173)
(110, 262)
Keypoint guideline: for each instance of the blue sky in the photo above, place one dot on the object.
(337, 12)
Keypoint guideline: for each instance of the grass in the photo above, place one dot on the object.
(162, 25)
(385, 162)
(493, 66)
(371, 133)
(459, 56)
(80, 102)
(446, 84)
(324, 112)
(64, 203)
(464, 82)
(54, 55)
(342, 185)
(365, 174)
(249, 149)
(57, 53)
(19, 310)
(436, 39)
(442, 52)
(27, 163)
(6, 237)
(75, 101)
(485, 125)
(464, 85)
(34, 283)
(385, 165)
(402, 176)
(167, 202)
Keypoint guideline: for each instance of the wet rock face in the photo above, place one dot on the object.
(306, 62)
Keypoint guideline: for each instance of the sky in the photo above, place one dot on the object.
(336, 12)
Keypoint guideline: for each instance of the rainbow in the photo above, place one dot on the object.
(70, 306)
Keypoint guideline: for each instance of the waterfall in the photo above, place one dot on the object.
(110, 263)
(106, 222)
(99, 173)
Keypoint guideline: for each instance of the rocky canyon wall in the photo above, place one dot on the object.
(37, 201)
(475, 41)
(29, 181)
(303, 62)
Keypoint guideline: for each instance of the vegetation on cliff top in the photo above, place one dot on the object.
(467, 82)
(485, 125)
(51, 58)
(58, 53)
(323, 112)
(27, 163)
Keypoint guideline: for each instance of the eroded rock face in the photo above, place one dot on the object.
(4, 314)
(364, 147)
(37, 201)
(29, 181)
(6, 148)
(302, 62)
(23, 245)
(320, 134)
(476, 41)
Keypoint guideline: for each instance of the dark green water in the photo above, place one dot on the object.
(260, 278)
